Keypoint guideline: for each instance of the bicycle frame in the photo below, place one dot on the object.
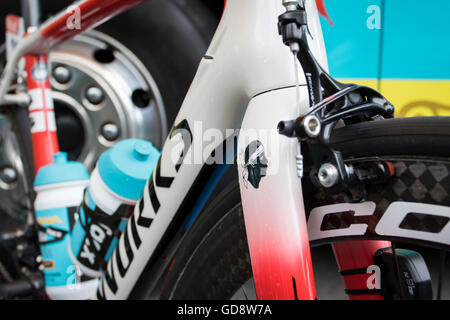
(245, 60)
(245, 81)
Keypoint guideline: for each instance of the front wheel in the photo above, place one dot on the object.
(213, 262)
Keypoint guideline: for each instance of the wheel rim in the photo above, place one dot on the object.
(103, 94)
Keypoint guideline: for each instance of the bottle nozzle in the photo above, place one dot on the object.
(60, 157)
(142, 150)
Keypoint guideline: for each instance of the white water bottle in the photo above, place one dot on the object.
(115, 187)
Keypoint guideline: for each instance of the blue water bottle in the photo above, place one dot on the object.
(116, 185)
(60, 187)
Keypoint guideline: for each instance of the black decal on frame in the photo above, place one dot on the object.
(130, 255)
(110, 279)
(153, 196)
(134, 232)
(186, 135)
(163, 182)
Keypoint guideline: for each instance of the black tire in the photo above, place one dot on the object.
(213, 261)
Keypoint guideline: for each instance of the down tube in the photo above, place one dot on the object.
(246, 57)
(272, 200)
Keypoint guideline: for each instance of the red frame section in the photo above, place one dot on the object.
(43, 130)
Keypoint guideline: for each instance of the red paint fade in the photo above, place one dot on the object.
(282, 273)
(224, 7)
(279, 245)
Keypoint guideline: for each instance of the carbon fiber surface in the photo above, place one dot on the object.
(416, 181)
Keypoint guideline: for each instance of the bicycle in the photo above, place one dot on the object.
(338, 160)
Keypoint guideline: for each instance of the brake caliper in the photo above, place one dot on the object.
(344, 104)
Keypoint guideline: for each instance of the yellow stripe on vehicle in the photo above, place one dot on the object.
(413, 98)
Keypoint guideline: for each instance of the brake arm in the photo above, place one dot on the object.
(343, 102)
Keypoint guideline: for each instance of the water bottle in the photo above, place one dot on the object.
(60, 187)
(116, 185)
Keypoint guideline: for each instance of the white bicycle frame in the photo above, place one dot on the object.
(246, 80)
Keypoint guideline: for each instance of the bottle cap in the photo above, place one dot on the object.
(126, 167)
(61, 171)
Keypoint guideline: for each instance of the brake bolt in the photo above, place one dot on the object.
(312, 126)
(328, 175)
